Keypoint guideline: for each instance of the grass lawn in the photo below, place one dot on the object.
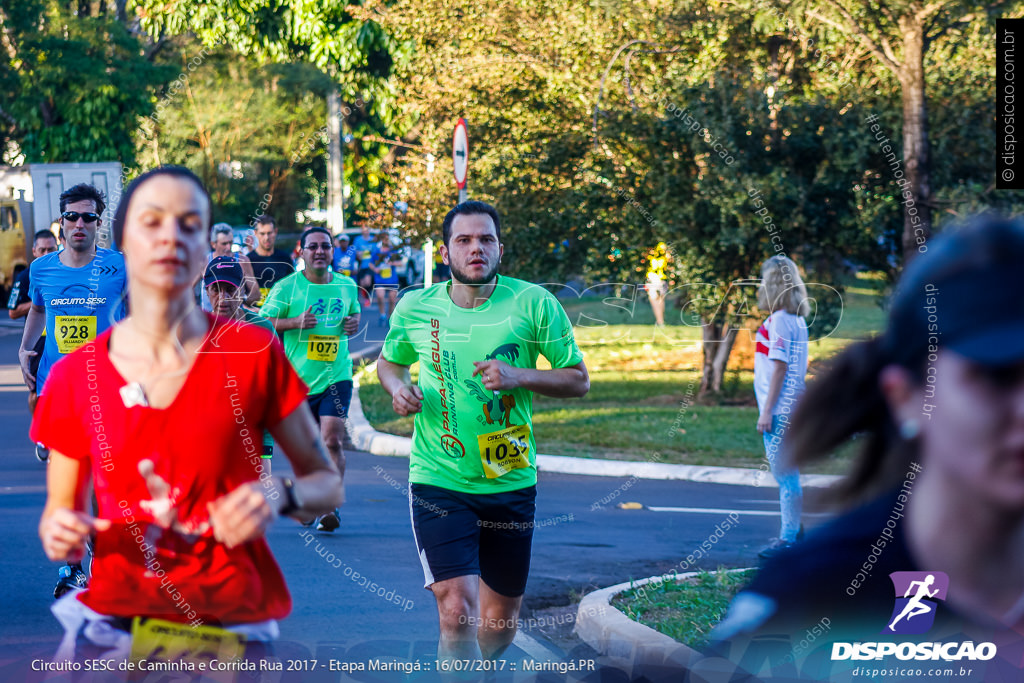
(685, 610)
(642, 402)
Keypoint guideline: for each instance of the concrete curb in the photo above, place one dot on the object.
(638, 650)
(365, 438)
(632, 647)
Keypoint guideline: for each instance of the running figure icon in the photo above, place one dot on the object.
(915, 607)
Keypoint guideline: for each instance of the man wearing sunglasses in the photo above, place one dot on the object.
(77, 293)
(317, 310)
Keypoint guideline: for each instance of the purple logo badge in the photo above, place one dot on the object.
(917, 597)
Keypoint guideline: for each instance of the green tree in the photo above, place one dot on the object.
(254, 134)
(599, 130)
(75, 82)
(341, 40)
(682, 133)
(898, 35)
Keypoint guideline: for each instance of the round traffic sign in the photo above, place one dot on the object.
(460, 153)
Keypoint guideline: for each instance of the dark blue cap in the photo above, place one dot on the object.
(223, 269)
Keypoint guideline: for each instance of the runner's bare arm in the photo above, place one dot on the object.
(406, 397)
(317, 482)
(34, 326)
(19, 311)
(65, 526)
(570, 382)
(245, 513)
(351, 325)
(252, 288)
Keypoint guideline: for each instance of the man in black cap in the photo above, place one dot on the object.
(223, 284)
(223, 280)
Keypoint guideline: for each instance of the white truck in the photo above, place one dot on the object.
(29, 201)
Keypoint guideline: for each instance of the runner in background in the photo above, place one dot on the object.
(657, 286)
(20, 302)
(441, 270)
(364, 245)
(385, 277)
(269, 263)
(473, 467)
(345, 260)
(174, 396)
(316, 310)
(221, 240)
(77, 293)
(223, 284)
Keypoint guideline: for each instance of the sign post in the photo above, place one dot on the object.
(460, 157)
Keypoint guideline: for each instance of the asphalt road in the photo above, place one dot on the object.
(580, 544)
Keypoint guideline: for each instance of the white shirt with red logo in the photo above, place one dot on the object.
(783, 336)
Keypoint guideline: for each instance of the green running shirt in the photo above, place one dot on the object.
(318, 354)
(466, 438)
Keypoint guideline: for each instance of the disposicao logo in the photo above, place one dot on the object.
(917, 597)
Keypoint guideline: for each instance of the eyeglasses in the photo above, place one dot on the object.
(314, 246)
(73, 216)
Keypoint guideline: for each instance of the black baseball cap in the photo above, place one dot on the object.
(965, 292)
(223, 269)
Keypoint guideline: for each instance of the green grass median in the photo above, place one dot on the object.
(644, 380)
(686, 610)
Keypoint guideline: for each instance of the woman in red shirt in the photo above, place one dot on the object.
(163, 416)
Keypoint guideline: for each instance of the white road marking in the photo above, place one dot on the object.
(532, 647)
(719, 511)
(5, 490)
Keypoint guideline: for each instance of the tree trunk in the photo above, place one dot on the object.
(917, 214)
(716, 349)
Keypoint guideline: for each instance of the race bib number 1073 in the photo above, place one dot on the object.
(323, 347)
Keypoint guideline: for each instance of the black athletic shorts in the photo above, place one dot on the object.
(332, 401)
(461, 534)
(362, 273)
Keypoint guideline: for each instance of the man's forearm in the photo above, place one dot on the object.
(20, 311)
(284, 324)
(252, 287)
(572, 382)
(34, 326)
(392, 376)
(252, 291)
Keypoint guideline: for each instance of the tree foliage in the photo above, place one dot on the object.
(600, 129)
(899, 35)
(74, 85)
(254, 135)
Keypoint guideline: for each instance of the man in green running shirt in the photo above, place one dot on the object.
(472, 471)
(317, 310)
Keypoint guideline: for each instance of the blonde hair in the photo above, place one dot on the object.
(782, 288)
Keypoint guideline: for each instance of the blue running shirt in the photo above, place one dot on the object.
(80, 303)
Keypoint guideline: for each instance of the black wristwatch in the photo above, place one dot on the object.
(291, 503)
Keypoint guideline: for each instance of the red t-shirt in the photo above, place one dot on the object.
(160, 558)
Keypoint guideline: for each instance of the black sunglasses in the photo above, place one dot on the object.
(73, 216)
